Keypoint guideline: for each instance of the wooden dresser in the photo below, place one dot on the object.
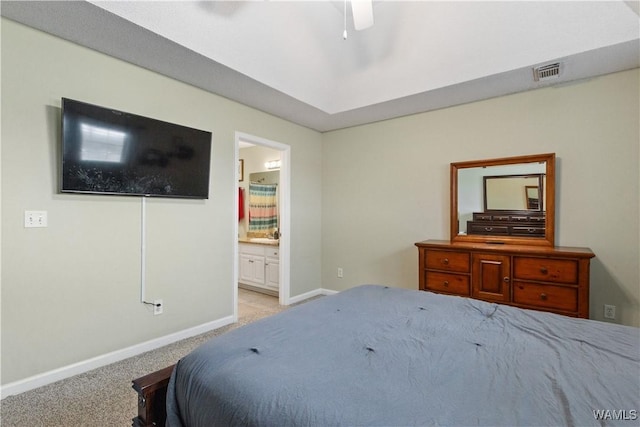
(554, 279)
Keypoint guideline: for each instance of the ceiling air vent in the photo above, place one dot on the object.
(545, 72)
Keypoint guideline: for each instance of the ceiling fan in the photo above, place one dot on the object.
(362, 11)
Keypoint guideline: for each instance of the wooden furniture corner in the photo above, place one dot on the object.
(152, 397)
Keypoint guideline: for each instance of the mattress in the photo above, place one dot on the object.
(382, 356)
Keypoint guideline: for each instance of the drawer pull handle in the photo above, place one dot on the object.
(446, 283)
(445, 261)
(543, 297)
(544, 270)
(488, 228)
(532, 230)
(506, 279)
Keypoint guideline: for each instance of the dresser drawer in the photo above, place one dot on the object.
(444, 282)
(527, 231)
(489, 229)
(481, 217)
(547, 270)
(537, 219)
(546, 296)
(447, 260)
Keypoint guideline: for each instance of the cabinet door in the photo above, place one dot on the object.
(258, 263)
(272, 269)
(491, 277)
(246, 268)
(251, 269)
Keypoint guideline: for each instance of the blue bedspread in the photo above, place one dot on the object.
(380, 356)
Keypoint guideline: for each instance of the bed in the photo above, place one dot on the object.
(383, 356)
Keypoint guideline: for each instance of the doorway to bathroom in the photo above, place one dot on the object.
(262, 226)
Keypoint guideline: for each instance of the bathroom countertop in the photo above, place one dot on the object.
(259, 241)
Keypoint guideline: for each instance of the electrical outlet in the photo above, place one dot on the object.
(158, 307)
(609, 311)
(340, 274)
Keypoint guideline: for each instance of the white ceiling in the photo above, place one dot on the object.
(290, 59)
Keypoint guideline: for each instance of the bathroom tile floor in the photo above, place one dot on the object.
(255, 304)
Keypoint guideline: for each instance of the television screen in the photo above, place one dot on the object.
(105, 151)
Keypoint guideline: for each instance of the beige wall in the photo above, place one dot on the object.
(386, 185)
(70, 292)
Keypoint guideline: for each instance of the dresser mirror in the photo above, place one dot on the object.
(508, 200)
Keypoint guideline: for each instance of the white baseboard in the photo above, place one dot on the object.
(311, 294)
(49, 377)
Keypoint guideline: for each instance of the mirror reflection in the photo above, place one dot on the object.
(508, 198)
(533, 196)
(513, 193)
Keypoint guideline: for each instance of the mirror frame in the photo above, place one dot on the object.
(548, 195)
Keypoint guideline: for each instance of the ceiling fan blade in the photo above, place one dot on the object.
(362, 14)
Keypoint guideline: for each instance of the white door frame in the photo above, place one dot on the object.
(284, 225)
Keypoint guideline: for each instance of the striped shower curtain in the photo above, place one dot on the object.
(263, 207)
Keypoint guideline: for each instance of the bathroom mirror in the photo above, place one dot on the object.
(504, 201)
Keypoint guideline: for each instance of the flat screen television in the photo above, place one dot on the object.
(106, 151)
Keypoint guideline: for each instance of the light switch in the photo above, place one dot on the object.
(35, 219)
